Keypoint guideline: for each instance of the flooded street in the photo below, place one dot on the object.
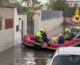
(20, 55)
(48, 22)
(39, 57)
(25, 56)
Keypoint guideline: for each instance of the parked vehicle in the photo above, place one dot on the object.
(66, 56)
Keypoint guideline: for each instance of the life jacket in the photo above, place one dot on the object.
(67, 36)
(39, 37)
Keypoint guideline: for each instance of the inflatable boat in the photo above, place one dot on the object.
(29, 41)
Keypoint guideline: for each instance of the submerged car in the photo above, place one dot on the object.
(66, 56)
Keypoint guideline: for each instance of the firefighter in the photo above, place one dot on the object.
(38, 41)
(67, 34)
(44, 35)
(39, 38)
(78, 29)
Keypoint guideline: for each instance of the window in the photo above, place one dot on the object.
(8, 23)
(67, 60)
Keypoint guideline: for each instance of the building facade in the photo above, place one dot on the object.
(12, 27)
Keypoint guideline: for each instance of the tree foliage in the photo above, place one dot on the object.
(35, 2)
(61, 5)
(20, 8)
(69, 12)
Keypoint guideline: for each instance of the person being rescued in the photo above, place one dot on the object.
(41, 37)
(61, 38)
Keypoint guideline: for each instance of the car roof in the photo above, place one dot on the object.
(69, 51)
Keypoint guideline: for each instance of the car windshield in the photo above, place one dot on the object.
(66, 60)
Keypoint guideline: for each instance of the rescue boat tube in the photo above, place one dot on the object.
(29, 40)
(65, 44)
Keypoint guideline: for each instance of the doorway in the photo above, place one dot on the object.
(22, 30)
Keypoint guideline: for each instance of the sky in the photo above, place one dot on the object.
(43, 1)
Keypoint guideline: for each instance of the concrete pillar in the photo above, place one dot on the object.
(25, 25)
(37, 22)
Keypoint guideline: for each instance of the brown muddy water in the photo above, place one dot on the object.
(25, 56)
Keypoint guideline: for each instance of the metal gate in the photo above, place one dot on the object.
(30, 26)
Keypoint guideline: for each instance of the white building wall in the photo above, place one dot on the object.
(53, 26)
(10, 37)
(6, 39)
(6, 35)
(17, 34)
(37, 23)
(24, 19)
(24, 24)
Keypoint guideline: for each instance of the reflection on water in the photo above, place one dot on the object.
(24, 56)
(29, 56)
(48, 61)
(40, 61)
(6, 57)
(33, 57)
(42, 57)
(17, 55)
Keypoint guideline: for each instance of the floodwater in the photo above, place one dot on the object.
(25, 56)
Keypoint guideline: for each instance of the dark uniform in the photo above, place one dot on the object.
(38, 41)
(44, 36)
(39, 38)
(61, 39)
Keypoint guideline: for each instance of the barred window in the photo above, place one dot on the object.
(8, 23)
